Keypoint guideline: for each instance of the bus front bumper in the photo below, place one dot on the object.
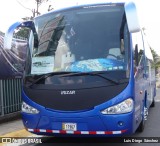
(84, 124)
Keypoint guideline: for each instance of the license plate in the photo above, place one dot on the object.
(69, 126)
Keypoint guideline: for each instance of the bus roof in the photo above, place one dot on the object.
(84, 4)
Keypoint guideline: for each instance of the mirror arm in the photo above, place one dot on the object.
(136, 55)
(9, 34)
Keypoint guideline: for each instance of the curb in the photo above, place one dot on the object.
(19, 133)
(9, 117)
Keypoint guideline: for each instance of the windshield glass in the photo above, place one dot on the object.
(84, 39)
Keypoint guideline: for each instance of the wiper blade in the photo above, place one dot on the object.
(124, 80)
(48, 75)
(100, 74)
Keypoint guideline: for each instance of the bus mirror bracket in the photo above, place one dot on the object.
(145, 75)
(9, 33)
(132, 17)
(136, 55)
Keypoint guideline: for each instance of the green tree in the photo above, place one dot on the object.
(156, 59)
(22, 32)
(155, 55)
(35, 11)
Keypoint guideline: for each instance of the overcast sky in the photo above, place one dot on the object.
(148, 10)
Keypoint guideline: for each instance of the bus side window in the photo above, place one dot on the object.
(149, 65)
(138, 51)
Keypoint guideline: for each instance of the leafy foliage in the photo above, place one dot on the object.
(156, 59)
(35, 11)
(23, 32)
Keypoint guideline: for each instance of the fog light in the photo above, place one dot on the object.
(120, 123)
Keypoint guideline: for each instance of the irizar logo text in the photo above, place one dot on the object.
(68, 92)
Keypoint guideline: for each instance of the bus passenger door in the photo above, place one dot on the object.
(148, 75)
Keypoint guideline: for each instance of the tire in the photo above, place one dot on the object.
(153, 103)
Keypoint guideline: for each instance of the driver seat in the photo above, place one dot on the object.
(114, 53)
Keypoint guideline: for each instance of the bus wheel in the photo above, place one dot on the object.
(144, 118)
(153, 103)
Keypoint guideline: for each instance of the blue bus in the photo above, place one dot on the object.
(89, 71)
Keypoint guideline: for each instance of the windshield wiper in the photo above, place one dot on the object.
(48, 75)
(99, 74)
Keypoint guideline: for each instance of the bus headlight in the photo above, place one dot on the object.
(28, 109)
(121, 108)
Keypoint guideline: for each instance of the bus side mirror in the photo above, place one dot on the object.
(132, 17)
(9, 34)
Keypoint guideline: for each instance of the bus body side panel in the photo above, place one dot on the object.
(140, 91)
(149, 72)
(145, 85)
(139, 85)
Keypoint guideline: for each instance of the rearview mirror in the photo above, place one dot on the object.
(132, 17)
(9, 34)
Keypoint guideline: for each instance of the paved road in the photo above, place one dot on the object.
(152, 129)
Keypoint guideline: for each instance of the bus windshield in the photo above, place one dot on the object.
(83, 39)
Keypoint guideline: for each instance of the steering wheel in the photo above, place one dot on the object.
(111, 56)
